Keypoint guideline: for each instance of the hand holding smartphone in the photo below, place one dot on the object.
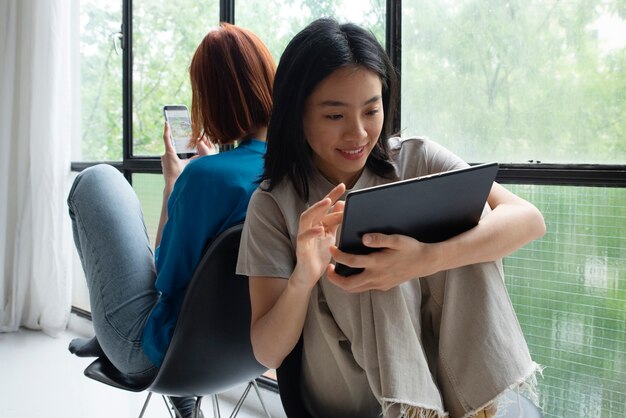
(180, 129)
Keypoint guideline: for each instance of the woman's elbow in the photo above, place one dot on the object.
(537, 224)
(264, 354)
(269, 361)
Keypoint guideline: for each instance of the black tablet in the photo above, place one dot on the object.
(430, 209)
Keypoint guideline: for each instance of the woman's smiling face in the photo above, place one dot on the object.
(343, 119)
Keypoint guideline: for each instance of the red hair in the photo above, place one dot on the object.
(232, 76)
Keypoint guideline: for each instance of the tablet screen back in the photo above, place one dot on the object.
(429, 209)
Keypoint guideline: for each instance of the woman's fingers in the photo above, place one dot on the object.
(169, 147)
(311, 233)
(203, 148)
(317, 231)
(336, 192)
(314, 214)
(338, 207)
(350, 260)
(317, 212)
(332, 220)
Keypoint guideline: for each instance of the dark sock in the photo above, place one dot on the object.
(185, 405)
(86, 347)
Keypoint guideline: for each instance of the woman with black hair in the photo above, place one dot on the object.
(425, 329)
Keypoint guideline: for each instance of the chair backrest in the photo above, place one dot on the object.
(288, 377)
(210, 351)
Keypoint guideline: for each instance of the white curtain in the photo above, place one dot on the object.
(37, 120)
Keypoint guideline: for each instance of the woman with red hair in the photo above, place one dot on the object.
(136, 295)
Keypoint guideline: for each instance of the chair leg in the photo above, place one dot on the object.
(243, 397)
(196, 409)
(216, 406)
(258, 393)
(171, 407)
(241, 400)
(145, 405)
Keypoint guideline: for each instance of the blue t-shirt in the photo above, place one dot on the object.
(210, 195)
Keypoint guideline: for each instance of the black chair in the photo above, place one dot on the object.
(210, 351)
(288, 377)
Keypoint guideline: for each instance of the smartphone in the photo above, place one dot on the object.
(180, 129)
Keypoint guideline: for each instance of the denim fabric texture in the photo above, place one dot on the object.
(114, 249)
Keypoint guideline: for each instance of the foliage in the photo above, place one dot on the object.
(165, 36)
(101, 80)
(509, 81)
(515, 81)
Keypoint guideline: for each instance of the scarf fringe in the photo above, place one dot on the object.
(408, 410)
(527, 386)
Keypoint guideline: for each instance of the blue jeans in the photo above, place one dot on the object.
(114, 249)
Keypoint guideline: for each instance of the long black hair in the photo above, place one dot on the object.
(312, 55)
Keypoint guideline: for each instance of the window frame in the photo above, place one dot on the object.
(609, 175)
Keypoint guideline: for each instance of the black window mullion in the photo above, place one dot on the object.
(563, 174)
(144, 165)
(393, 44)
(227, 11)
(127, 87)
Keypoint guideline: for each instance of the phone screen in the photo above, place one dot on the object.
(180, 128)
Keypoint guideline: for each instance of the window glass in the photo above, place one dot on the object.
(277, 21)
(149, 189)
(100, 81)
(517, 81)
(569, 292)
(165, 36)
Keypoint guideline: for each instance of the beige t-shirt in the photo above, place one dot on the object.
(268, 243)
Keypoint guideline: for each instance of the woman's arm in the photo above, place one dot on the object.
(172, 166)
(512, 223)
(278, 311)
(279, 306)
(163, 218)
